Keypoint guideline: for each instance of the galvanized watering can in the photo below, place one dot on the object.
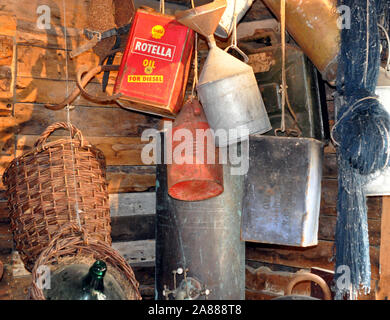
(198, 175)
(380, 183)
(200, 240)
(227, 87)
(282, 191)
(233, 7)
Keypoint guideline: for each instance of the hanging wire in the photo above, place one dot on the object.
(283, 86)
(68, 107)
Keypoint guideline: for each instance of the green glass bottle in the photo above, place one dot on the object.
(76, 282)
(92, 284)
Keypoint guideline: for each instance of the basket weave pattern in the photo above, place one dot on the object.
(80, 245)
(42, 185)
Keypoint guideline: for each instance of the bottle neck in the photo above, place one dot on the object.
(93, 281)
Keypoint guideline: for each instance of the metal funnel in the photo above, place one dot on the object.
(203, 19)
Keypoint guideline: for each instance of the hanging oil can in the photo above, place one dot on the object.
(202, 237)
(197, 175)
(282, 191)
(302, 88)
(314, 26)
(154, 69)
(227, 87)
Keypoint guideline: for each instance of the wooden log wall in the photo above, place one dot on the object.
(33, 72)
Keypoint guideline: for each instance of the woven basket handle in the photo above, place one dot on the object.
(59, 125)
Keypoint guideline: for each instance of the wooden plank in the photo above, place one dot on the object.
(329, 166)
(316, 256)
(7, 22)
(133, 228)
(4, 212)
(76, 12)
(47, 91)
(137, 253)
(33, 119)
(329, 200)
(7, 142)
(117, 150)
(7, 72)
(6, 239)
(131, 179)
(47, 63)
(384, 280)
(327, 228)
(27, 34)
(131, 204)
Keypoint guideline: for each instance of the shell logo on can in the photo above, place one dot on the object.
(158, 32)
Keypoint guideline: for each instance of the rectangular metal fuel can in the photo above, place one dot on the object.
(154, 69)
(282, 193)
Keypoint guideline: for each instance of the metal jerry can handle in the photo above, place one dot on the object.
(310, 277)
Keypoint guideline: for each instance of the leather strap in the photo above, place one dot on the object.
(108, 33)
(95, 36)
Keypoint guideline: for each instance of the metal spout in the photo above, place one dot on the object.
(203, 19)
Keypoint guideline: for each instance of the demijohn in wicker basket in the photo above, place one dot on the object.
(41, 188)
(66, 248)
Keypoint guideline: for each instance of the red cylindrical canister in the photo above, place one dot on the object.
(195, 172)
(154, 69)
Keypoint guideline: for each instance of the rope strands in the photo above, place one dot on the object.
(361, 134)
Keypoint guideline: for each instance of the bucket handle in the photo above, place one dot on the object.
(59, 125)
(233, 44)
(310, 277)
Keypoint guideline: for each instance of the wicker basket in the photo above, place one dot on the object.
(65, 249)
(41, 188)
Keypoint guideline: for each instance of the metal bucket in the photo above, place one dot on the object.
(302, 88)
(227, 87)
(198, 175)
(380, 183)
(225, 25)
(282, 191)
(202, 237)
(313, 25)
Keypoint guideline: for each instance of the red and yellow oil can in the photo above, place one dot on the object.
(154, 70)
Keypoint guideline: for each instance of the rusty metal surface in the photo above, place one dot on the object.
(313, 25)
(200, 177)
(302, 88)
(203, 236)
(282, 191)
